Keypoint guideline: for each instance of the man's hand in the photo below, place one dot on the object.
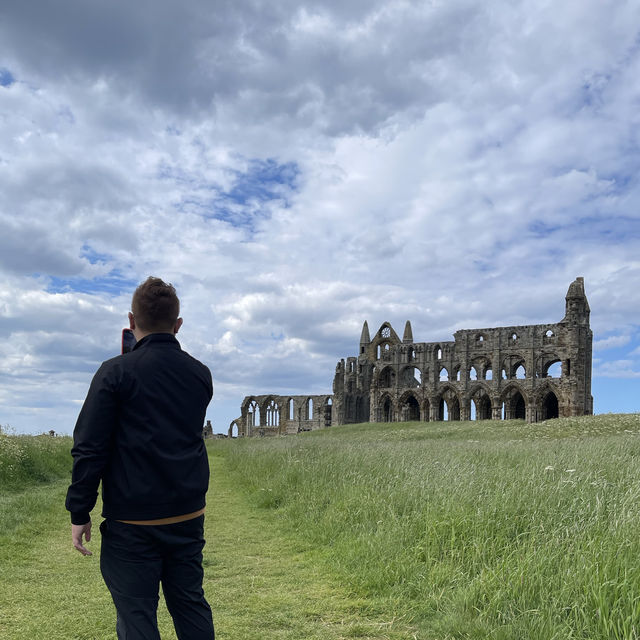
(77, 531)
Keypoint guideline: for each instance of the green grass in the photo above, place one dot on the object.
(261, 583)
(470, 530)
(430, 531)
(30, 460)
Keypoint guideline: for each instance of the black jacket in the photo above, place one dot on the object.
(140, 432)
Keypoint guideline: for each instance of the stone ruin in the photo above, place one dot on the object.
(530, 372)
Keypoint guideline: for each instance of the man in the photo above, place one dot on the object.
(140, 433)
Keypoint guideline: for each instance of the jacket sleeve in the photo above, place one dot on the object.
(92, 441)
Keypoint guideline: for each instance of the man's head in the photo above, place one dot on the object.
(154, 309)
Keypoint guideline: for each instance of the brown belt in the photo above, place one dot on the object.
(171, 520)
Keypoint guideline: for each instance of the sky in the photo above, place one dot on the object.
(296, 168)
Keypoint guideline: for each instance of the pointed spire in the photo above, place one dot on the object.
(364, 337)
(408, 333)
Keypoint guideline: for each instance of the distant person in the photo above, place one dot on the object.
(140, 433)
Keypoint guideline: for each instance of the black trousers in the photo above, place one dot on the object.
(135, 559)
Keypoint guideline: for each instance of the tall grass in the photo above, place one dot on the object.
(484, 529)
(28, 460)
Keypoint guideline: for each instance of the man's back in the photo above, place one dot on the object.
(151, 404)
(140, 433)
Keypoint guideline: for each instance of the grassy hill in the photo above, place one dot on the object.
(468, 529)
(498, 530)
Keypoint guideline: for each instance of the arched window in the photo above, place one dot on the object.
(291, 414)
(521, 372)
(550, 406)
(411, 377)
(327, 412)
(554, 370)
(273, 414)
(253, 415)
(310, 409)
(444, 374)
(387, 410)
(387, 378)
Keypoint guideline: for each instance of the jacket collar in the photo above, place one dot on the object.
(157, 338)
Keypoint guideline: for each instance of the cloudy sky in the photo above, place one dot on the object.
(295, 168)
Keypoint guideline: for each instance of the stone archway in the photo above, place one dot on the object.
(409, 409)
(550, 407)
(514, 404)
(235, 428)
(387, 410)
(449, 400)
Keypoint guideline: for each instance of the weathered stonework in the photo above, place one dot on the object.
(272, 415)
(498, 373)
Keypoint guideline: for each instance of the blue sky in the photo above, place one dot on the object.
(296, 168)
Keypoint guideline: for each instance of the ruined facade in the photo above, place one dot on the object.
(273, 415)
(531, 372)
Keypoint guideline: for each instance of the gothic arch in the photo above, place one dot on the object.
(480, 399)
(409, 377)
(511, 363)
(514, 401)
(237, 424)
(481, 364)
(387, 377)
(409, 407)
(387, 409)
(548, 401)
(271, 414)
(252, 413)
(448, 396)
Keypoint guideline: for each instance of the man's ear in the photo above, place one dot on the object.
(178, 325)
(132, 322)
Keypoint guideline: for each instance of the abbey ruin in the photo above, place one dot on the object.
(531, 372)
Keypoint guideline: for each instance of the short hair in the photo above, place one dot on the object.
(155, 306)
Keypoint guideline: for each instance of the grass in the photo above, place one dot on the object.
(30, 460)
(470, 530)
(261, 583)
(430, 531)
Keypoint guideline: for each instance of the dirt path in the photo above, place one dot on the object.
(260, 585)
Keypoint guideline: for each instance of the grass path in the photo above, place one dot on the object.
(261, 584)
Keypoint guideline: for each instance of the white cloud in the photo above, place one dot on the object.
(611, 342)
(618, 369)
(450, 163)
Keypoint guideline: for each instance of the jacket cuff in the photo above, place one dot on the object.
(80, 517)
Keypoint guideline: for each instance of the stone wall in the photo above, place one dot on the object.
(271, 415)
(532, 372)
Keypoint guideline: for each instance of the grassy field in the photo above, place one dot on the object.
(470, 529)
(261, 583)
(389, 531)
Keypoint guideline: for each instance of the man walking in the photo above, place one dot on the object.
(140, 433)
